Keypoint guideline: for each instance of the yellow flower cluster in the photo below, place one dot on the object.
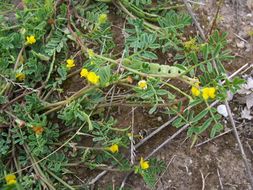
(84, 73)
(144, 164)
(114, 148)
(10, 179)
(207, 92)
(102, 18)
(195, 91)
(70, 63)
(92, 77)
(191, 45)
(30, 40)
(143, 84)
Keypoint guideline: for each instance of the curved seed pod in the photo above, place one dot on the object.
(155, 69)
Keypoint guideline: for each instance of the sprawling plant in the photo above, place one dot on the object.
(59, 66)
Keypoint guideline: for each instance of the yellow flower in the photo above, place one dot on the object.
(191, 45)
(93, 78)
(208, 92)
(195, 91)
(20, 76)
(30, 39)
(212, 92)
(144, 164)
(70, 63)
(205, 93)
(143, 84)
(84, 73)
(38, 130)
(102, 18)
(10, 179)
(90, 53)
(114, 148)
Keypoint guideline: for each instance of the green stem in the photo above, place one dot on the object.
(60, 180)
(140, 13)
(149, 27)
(50, 69)
(177, 89)
(163, 7)
(209, 109)
(71, 98)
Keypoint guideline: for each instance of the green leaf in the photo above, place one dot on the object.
(220, 67)
(105, 75)
(152, 110)
(161, 92)
(205, 125)
(41, 56)
(84, 117)
(194, 58)
(205, 51)
(238, 81)
(149, 55)
(195, 102)
(178, 122)
(202, 67)
(200, 116)
(216, 128)
(209, 67)
(217, 50)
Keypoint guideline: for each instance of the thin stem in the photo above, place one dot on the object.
(177, 89)
(50, 69)
(210, 111)
(59, 179)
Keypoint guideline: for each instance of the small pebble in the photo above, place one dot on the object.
(159, 118)
(240, 44)
(222, 110)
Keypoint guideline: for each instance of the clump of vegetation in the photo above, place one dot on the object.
(48, 48)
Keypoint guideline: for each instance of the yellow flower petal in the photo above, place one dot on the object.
(102, 18)
(211, 92)
(70, 63)
(84, 73)
(143, 84)
(93, 78)
(30, 39)
(114, 148)
(20, 76)
(10, 179)
(208, 92)
(205, 93)
(144, 164)
(195, 91)
(12, 182)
